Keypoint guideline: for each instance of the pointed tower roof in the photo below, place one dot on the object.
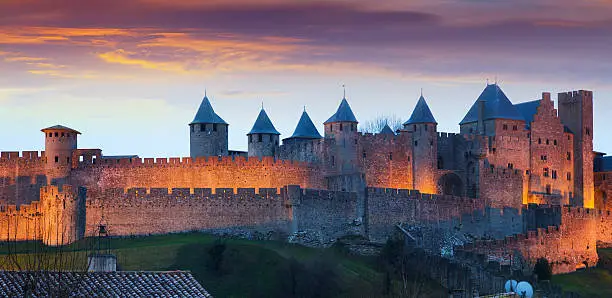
(387, 130)
(305, 128)
(421, 113)
(497, 106)
(343, 114)
(206, 114)
(263, 124)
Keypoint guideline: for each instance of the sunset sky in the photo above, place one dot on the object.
(130, 74)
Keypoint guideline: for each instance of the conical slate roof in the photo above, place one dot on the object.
(206, 114)
(306, 129)
(421, 113)
(387, 130)
(263, 124)
(343, 114)
(497, 106)
(528, 110)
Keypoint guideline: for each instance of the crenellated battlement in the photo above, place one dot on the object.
(24, 157)
(195, 162)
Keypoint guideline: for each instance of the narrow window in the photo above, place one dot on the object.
(340, 126)
(214, 126)
(62, 134)
(363, 154)
(588, 131)
(56, 134)
(548, 189)
(202, 127)
(514, 127)
(527, 172)
(569, 176)
(510, 166)
(547, 142)
(554, 174)
(426, 127)
(333, 161)
(250, 138)
(67, 160)
(271, 138)
(555, 142)
(50, 134)
(390, 156)
(408, 158)
(494, 150)
(416, 143)
(355, 141)
(56, 159)
(414, 127)
(259, 138)
(569, 156)
(545, 172)
(539, 140)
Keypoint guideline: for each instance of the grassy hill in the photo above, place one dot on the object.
(247, 268)
(593, 282)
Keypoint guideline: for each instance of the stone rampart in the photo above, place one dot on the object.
(227, 171)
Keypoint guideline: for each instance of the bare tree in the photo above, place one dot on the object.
(50, 269)
(376, 125)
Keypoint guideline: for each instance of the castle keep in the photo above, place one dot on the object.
(514, 172)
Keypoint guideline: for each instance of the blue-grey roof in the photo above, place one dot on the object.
(606, 164)
(306, 129)
(387, 130)
(343, 114)
(60, 127)
(263, 125)
(206, 114)
(527, 110)
(497, 106)
(118, 156)
(421, 113)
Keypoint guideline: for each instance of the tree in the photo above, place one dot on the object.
(216, 255)
(376, 125)
(543, 269)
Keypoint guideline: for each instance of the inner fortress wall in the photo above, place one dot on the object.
(213, 172)
(387, 160)
(21, 176)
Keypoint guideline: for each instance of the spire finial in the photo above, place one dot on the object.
(344, 91)
(421, 91)
(304, 108)
(495, 79)
(262, 106)
(487, 81)
(205, 92)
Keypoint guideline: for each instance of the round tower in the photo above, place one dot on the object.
(263, 137)
(60, 143)
(424, 129)
(207, 132)
(342, 128)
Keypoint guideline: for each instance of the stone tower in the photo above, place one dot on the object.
(424, 129)
(63, 214)
(344, 170)
(207, 132)
(576, 113)
(60, 143)
(263, 137)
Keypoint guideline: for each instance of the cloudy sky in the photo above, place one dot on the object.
(130, 74)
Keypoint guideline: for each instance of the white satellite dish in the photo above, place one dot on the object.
(524, 290)
(510, 285)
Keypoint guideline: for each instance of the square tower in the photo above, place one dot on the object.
(576, 112)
